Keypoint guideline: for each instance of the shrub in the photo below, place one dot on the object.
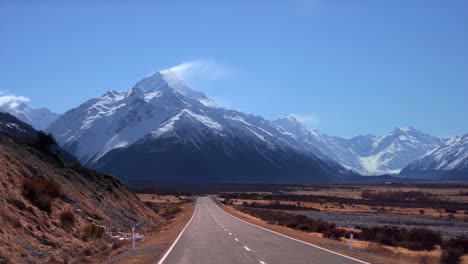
(415, 239)
(395, 195)
(67, 219)
(425, 237)
(276, 205)
(299, 222)
(414, 199)
(450, 210)
(92, 231)
(41, 192)
(451, 256)
(453, 249)
(171, 212)
(421, 212)
(154, 206)
(44, 140)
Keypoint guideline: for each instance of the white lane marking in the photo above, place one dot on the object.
(246, 248)
(230, 234)
(261, 262)
(303, 242)
(225, 230)
(177, 239)
(236, 239)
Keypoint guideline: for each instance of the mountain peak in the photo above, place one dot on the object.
(290, 121)
(292, 124)
(39, 118)
(167, 79)
(405, 129)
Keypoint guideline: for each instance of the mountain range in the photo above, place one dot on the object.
(162, 129)
(369, 154)
(39, 118)
(447, 161)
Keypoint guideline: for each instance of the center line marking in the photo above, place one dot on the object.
(261, 262)
(230, 234)
(236, 239)
(225, 230)
(246, 248)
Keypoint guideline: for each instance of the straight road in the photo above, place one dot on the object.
(214, 236)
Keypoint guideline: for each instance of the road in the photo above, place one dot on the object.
(214, 236)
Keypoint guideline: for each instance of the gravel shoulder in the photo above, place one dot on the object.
(153, 246)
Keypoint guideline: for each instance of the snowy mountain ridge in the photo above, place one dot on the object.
(368, 155)
(161, 114)
(39, 118)
(450, 159)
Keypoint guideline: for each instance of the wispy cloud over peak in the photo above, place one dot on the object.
(200, 70)
(11, 100)
(308, 119)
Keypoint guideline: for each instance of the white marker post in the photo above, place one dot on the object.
(351, 242)
(133, 239)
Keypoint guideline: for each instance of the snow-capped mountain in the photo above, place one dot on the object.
(367, 154)
(13, 126)
(449, 160)
(39, 118)
(161, 129)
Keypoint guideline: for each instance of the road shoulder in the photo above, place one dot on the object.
(154, 245)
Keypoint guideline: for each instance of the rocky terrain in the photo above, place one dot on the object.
(53, 211)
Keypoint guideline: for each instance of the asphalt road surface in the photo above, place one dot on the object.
(214, 236)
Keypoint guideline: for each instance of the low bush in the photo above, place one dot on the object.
(67, 219)
(299, 222)
(171, 212)
(414, 239)
(92, 231)
(44, 140)
(41, 193)
(453, 249)
(414, 199)
(451, 256)
(396, 195)
(279, 206)
(154, 206)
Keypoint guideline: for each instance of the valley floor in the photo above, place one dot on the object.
(368, 251)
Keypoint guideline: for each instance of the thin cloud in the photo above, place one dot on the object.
(200, 70)
(309, 119)
(11, 100)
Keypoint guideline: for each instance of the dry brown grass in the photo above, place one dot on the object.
(145, 197)
(156, 243)
(448, 194)
(92, 198)
(359, 208)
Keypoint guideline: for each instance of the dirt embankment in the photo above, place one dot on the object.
(53, 211)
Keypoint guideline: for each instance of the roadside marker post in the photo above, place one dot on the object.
(351, 241)
(133, 239)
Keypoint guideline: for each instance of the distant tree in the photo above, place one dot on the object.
(44, 140)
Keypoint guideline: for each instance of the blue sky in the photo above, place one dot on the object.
(346, 67)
